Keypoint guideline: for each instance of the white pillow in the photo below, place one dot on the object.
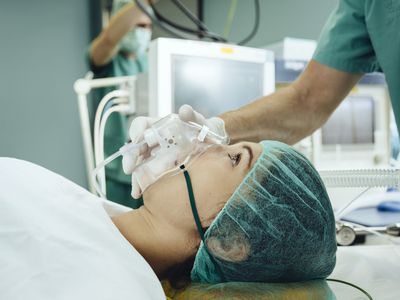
(58, 242)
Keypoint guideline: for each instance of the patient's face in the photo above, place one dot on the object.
(215, 175)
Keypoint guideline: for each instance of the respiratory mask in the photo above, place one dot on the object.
(172, 143)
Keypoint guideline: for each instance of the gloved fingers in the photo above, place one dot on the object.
(134, 158)
(188, 114)
(138, 126)
(218, 125)
(136, 130)
(139, 160)
(129, 161)
(136, 190)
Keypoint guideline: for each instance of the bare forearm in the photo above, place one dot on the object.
(105, 45)
(295, 111)
(280, 116)
(126, 19)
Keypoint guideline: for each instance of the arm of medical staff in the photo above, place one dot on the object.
(105, 46)
(294, 112)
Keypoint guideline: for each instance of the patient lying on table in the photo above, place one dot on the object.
(264, 210)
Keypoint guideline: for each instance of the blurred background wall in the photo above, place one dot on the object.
(42, 46)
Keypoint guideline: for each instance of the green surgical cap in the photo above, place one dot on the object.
(278, 226)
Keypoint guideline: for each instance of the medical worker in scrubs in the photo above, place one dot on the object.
(120, 50)
(360, 36)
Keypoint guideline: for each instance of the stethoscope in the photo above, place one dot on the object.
(346, 233)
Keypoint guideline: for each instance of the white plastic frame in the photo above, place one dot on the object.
(82, 88)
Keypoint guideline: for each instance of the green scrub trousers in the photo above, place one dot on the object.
(363, 36)
(118, 185)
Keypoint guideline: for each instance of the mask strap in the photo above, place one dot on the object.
(197, 219)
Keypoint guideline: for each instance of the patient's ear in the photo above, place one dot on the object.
(237, 250)
(193, 242)
(209, 217)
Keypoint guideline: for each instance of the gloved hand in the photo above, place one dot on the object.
(136, 133)
(133, 158)
(215, 124)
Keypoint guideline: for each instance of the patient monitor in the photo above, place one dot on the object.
(357, 134)
(211, 77)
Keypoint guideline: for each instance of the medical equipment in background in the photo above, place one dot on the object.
(357, 135)
(347, 232)
(211, 77)
(173, 142)
(121, 100)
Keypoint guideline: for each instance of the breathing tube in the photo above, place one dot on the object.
(361, 178)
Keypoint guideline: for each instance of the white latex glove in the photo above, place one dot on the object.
(217, 125)
(131, 159)
(136, 133)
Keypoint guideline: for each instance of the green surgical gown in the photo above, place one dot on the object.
(363, 36)
(118, 185)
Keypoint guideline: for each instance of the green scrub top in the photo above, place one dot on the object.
(118, 184)
(363, 36)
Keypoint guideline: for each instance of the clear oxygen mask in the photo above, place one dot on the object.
(168, 144)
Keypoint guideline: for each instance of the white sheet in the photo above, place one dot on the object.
(373, 268)
(57, 242)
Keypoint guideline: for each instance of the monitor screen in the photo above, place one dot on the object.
(215, 85)
(353, 122)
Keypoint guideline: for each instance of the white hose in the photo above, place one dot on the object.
(361, 178)
(100, 153)
(100, 167)
(99, 114)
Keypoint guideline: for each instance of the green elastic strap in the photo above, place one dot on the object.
(197, 219)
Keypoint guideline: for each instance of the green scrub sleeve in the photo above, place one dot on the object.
(344, 43)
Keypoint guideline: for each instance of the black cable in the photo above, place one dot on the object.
(203, 28)
(155, 20)
(256, 23)
(176, 25)
(189, 14)
(200, 12)
(196, 32)
(169, 26)
(352, 285)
